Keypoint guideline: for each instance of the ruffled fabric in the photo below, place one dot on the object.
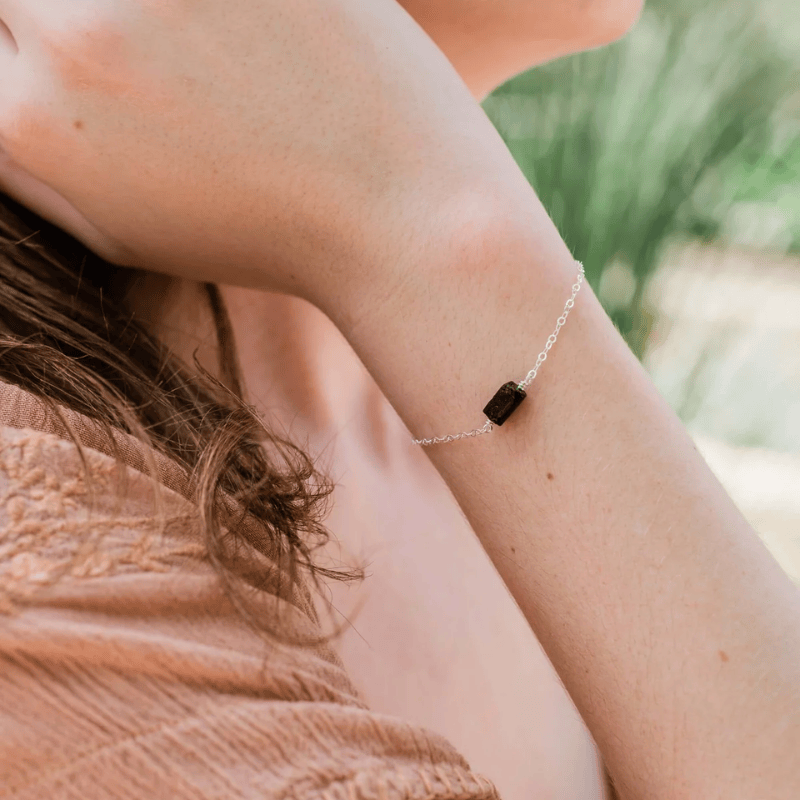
(126, 673)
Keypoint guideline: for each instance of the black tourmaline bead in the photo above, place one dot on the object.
(504, 403)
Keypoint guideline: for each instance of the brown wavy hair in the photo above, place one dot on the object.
(67, 337)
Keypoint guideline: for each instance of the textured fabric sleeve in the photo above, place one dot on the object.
(126, 674)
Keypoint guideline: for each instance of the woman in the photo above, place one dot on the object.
(393, 178)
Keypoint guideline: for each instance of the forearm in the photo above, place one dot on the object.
(671, 626)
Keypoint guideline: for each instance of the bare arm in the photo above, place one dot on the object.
(673, 629)
(490, 42)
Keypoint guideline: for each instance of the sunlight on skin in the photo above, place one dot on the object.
(488, 674)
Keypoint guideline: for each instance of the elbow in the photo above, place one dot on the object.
(601, 22)
(550, 29)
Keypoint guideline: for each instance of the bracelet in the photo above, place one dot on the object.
(510, 395)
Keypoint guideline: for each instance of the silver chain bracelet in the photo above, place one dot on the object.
(510, 395)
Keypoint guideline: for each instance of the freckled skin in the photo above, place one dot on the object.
(523, 704)
(101, 60)
(240, 141)
(90, 59)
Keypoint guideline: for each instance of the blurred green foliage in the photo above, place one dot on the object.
(686, 127)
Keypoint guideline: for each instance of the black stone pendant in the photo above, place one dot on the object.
(504, 403)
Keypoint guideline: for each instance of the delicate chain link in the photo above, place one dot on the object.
(489, 426)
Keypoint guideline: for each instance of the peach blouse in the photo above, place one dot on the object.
(125, 672)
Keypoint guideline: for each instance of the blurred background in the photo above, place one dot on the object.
(670, 162)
